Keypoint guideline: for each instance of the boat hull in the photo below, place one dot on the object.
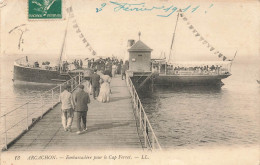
(37, 75)
(190, 79)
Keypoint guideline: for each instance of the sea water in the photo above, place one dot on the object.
(188, 117)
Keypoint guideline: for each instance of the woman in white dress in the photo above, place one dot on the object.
(104, 94)
(114, 68)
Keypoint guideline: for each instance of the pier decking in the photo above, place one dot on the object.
(110, 125)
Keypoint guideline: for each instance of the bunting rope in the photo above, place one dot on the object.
(202, 40)
(78, 31)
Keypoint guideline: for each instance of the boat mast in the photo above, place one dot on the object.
(173, 36)
(63, 45)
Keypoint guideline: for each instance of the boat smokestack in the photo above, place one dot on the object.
(130, 43)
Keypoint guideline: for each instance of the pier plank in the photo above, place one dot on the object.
(110, 125)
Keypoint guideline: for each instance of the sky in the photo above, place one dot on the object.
(228, 26)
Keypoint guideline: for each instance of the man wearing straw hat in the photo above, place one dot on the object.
(81, 108)
(67, 107)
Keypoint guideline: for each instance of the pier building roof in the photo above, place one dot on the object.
(140, 46)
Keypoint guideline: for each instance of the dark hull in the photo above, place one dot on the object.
(190, 79)
(38, 75)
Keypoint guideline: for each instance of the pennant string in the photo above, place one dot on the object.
(196, 34)
(76, 27)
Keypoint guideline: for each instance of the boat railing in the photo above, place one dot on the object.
(196, 72)
(31, 111)
(149, 138)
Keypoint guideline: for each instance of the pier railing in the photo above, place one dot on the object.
(149, 138)
(31, 111)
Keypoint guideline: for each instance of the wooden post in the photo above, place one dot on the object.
(145, 135)
(79, 78)
(134, 99)
(140, 117)
(41, 106)
(152, 84)
(165, 68)
(52, 102)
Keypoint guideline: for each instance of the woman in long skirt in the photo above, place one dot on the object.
(104, 94)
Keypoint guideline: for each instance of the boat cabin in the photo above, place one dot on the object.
(191, 68)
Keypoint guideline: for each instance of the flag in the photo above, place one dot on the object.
(78, 30)
(181, 15)
(184, 18)
(81, 35)
(191, 27)
(220, 55)
(196, 35)
(211, 49)
(87, 44)
(224, 58)
(93, 53)
(216, 52)
(204, 42)
(84, 40)
(194, 31)
(75, 25)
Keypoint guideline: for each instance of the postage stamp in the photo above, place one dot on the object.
(44, 9)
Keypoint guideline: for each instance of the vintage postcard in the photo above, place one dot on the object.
(171, 82)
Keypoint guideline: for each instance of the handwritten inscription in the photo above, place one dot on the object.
(143, 7)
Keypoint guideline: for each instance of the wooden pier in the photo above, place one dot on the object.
(110, 126)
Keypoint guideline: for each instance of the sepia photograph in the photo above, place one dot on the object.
(171, 82)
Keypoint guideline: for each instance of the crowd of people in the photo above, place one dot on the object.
(97, 85)
(110, 66)
(205, 69)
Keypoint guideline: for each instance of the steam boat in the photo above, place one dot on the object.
(33, 73)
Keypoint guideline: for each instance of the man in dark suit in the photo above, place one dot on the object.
(81, 108)
(95, 84)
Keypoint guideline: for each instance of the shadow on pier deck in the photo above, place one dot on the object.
(110, 126)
